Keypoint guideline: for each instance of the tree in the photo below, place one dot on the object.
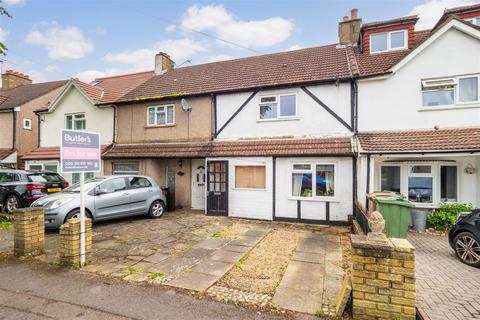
(3, 48)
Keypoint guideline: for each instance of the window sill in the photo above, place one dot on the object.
(450, 107)
(248, 189)
(160, 126)
(279, 119)
(312, 199)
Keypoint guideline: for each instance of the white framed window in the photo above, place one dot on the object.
(424, 183)
(474, 20)
(388, 41)
(274, 107)
(313, 180)
(126, 168)
(459, 90)
(43, 166)
(27, 124)
(161, 115)
(76, 121)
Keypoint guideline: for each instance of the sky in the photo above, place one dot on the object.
(60, 39)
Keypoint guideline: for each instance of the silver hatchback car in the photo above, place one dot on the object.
(105, 198)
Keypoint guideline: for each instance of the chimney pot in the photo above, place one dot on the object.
(354, 13)
(12, 78)
(345, 18)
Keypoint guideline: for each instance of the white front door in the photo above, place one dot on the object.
(198, 184)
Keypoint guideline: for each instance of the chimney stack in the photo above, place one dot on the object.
(163, 63)
(349, 28)
(12, 79)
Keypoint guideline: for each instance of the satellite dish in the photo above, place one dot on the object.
(185, 105)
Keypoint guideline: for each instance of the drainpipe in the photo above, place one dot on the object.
(213, 99)
(14, 138)
(114, 140)
(39, 121)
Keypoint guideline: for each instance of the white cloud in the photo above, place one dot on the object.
(143, 59)
(294, 47)
(219, 57)
(432, 10)
(89, 75)
(3, 35)
(13, 2)
(62, 43)
(256, 33)
(171, 28)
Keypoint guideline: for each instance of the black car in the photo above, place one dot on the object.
(18, 188)
(464, 237)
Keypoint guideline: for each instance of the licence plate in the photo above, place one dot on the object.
(54, 189)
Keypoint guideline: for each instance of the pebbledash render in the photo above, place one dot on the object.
(301, 135)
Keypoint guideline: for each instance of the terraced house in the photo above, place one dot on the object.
(19, 98)
(298, 135)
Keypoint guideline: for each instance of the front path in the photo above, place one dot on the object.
(446, 288)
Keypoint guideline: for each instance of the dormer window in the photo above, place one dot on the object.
(387, 41)
(474, 20)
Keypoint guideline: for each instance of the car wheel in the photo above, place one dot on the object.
(75, 214)
(12, 203)
(156, 209)
(467, 248)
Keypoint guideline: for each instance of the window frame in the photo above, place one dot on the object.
(29, 126)
(455, 86)
(155, 118)
(313, 171)
(440, 181)
(277, 102)
(125, 172)
(475, 20)
(73, 115)
(389, 40)
(248, 165)
(42, 165)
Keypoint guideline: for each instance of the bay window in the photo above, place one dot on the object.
(161, 115)
(313, 180)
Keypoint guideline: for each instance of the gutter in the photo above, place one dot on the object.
(381, 153)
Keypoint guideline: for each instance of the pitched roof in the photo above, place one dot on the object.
(5, 153)
(457, 139)
(49, 153)
(462, 9)
(283, 68)
(116, 86)
(17, 96)
(280, 147)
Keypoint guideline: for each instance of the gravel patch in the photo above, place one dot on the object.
(261, 270)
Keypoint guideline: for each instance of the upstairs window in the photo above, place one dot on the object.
(450, 91)
(27, 124)
(75, 121)
(474, 20)
(278, 107)
(161, 115)
(387, 41)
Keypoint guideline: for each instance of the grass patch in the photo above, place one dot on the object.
(131, 270)
(187, 270)
(219, 234)
(156, 275)
(319, 313)
(5, 223)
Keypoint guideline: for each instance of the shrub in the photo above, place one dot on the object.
(447, 214)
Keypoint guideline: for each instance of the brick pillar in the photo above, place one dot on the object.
(70, 242)
(383, 278)
(29, 229)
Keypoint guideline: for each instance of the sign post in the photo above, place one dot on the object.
(80, 153)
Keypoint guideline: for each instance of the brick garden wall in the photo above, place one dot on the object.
(29, 232)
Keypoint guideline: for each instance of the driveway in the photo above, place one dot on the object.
(446, 288)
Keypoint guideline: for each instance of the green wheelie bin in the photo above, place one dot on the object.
(396, 213)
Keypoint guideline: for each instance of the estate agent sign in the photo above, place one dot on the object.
(80, 151)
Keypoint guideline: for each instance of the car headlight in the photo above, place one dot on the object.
(60, 202)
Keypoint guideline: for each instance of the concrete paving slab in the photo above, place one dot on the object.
(174, 265)
(311, 257)
(193, 281)
(211, 267)
(213, 243)
(235, 248)
(226, 256)
(298, 300)
(306, 268)
(257, 232)
(299, 281)
(197, 253)
(334, 270)
(331, 287)
(246, 241)
(156, 257)
(311, 245)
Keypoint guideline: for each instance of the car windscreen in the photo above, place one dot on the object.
(89, 184)
(44, 177)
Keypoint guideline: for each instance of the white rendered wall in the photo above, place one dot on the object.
(395, 103)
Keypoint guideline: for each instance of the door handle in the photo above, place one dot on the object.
(125, 194)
